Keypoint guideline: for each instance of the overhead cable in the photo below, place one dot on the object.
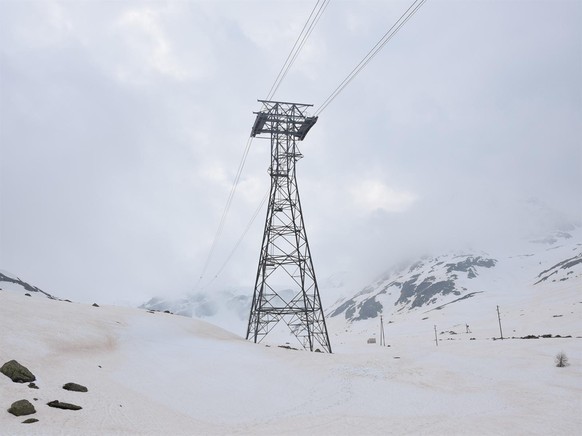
(414, 7)
(227, 206)
(248, 227)
(308, 27)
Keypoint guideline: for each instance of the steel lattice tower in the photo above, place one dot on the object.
(285, 287)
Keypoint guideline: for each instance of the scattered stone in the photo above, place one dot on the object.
(287, 347)
(99, 366)
(32, 386)
(60, 405)
(75, 387)
(22, 407)
(95, 305)
(35, 399)
(30, 421)
(28, 295)
(17, 372)
(68, 301)
(167, 311)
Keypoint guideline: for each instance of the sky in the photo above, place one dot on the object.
(123, 124)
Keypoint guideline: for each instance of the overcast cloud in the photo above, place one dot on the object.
(122, 124)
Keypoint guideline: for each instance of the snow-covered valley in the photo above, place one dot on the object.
(157, 373)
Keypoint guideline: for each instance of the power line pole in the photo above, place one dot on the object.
(499, 318)
(382, 335)
(285, 286)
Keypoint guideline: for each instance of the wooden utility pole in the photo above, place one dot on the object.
(436, 338)
(382, 335)
(499, 318)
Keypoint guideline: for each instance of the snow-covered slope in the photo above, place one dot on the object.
(544, 274)
(155, 373)
(10, 282)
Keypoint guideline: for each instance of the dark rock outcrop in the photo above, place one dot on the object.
(60, 405)
(17, 372)
(22, 407)
(75, 387)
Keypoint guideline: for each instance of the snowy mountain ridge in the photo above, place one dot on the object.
(433, 283)
(423, 283)
(227, 308)
(10, 282)
(426, 284)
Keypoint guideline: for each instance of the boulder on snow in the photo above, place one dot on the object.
(22, 407)
(60, 405)
(75, 387)
(17, 372)
(30, 421)
(32, 386)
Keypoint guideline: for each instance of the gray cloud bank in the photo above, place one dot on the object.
(122, 125)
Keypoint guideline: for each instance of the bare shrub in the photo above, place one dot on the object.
(561, 359)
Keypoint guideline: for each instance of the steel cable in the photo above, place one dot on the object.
(413, 8)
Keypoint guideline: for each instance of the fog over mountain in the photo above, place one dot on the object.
(122, 125)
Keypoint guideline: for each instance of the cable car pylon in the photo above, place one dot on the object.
(286, 289)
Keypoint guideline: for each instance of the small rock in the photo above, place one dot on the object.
(30, 421)
(59, 405)
(28, 295)
(17, 372)
(32, 386)
(95, 305)
(75, 387)
(22, 407)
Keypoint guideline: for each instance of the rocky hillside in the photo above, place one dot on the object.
(9, 282)
(432, 283)
(427, 282)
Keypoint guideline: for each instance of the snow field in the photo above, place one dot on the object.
(152, 374)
